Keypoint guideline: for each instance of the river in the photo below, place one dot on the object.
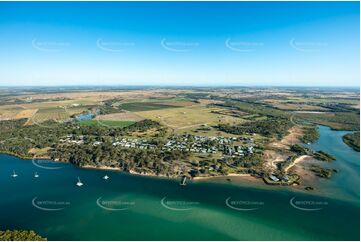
(129, 207)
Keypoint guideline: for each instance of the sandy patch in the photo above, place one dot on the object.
(238, 179)
(295, 133)
(214, 177)
(272, 157)
(307, 178)
(277, 151)
(39, 152)
(101, 167)
(297, 160)
(28, 113)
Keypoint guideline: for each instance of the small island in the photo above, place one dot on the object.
(352, 140)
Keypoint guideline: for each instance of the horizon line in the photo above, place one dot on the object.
(175, 85)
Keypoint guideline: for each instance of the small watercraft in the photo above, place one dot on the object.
(183, 182)
(14, 174)
(36, 175)
(106, 177)
(79, 183)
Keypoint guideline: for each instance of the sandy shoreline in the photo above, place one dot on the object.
(199, 178)
(224, 176)
(297, 160)
(105, 168)
(230, 177)
(100, 167)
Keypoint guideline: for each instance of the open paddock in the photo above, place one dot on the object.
(146, 106)
(184, 118)
(125, 116)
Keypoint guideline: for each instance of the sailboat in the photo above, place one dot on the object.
(36, 175)
(106, 177)
(14, 174)
(79, 183)
(183, 182)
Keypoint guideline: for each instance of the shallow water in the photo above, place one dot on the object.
(344, 184)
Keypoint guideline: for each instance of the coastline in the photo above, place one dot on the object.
(25, 157)
(237, 177)
(197, 178)
(200, 178)
(100, 168)
(244, 180)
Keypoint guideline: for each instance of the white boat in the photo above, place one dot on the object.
(79, 183)
(14, 174)
(106, 177)
(36, 175)
(183, 182)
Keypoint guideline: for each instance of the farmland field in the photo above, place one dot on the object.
(188, 117)
(56, 114)
(112, 123)
(10, 111)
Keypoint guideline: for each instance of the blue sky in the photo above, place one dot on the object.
(180, 43)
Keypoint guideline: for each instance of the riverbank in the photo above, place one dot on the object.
(100, 168)
(24, 157)
(238, 178)
(200, 178)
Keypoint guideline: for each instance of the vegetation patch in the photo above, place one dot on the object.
(337, 120)
(323, 156)
(112, 123)
(20, 235)
(352, 140)
(310, 134)
(268, 127)
(15, 137)
(322, 172)
(299, 150)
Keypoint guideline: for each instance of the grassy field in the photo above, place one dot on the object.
(112, 123)
(56, 114)
(188, 118)
(123, 116)
(145, 106)
(297, 106)
(10, 111)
